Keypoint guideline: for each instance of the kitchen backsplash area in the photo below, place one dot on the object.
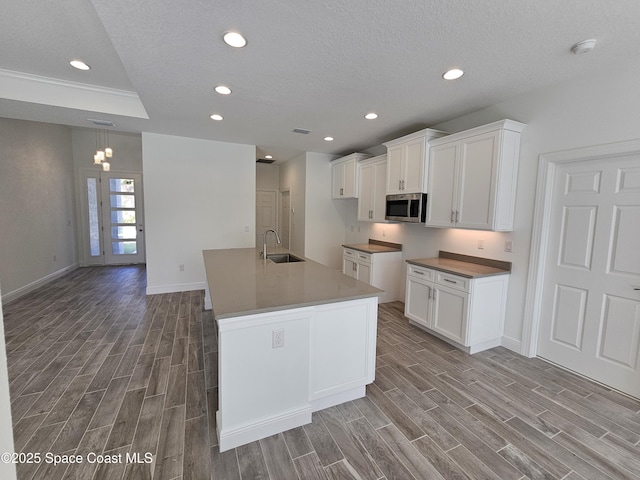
(420, 241)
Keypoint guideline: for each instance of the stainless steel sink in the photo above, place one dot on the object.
(283, 258)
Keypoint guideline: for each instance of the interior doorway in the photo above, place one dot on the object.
(112, 218)
(285, 216)
(589, 266)
(266, 215)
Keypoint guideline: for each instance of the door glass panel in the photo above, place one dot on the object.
(123, 201)
(121, 185)
(124, 248)
(123, 216)
(123, 232)
(94, 224)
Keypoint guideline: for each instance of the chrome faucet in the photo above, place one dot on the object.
(264, 241)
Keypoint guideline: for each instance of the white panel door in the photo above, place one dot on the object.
(285, 227)
(266, 216)
(590, 320)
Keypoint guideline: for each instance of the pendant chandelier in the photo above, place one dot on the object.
(105, 153)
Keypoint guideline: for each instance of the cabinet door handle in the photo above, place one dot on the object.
(451, 216)
(403, 184)
(428, 293)
(450, 281)
(457, 216)
(419, 272)
(355, 267)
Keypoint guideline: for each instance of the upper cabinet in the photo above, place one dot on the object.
(408, 162)
(372, 189)
(472, 178)
(344, 183)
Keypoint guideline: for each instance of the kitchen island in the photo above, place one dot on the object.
(293, 338)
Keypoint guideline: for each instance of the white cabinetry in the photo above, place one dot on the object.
(472, 178)
(407, 162)
(357, 265)
(468, 313)
(344, 179)
(372, 189)
(381, 270)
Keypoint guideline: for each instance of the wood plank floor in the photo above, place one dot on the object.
(95, 366)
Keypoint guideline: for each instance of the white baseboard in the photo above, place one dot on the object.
(338, 398)
(234, 437)
(512, 344)
(178, 287)
(19, 292)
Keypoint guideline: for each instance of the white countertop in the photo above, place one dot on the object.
(464, 269)
(372, 248)
(242, 283)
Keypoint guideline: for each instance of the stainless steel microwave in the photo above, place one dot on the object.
(407, 207)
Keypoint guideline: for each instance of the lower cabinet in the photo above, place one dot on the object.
(357, 265)
(381, 270)
(467, 312)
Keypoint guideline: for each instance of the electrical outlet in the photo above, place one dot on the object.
(246, 228)
(480, 244)
(181, 267)
(277, 338)
(508, 246)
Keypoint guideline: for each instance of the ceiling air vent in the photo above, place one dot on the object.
(102, 123)
(302, 131)
(264, 160)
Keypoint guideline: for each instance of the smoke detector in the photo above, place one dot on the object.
(584, 46)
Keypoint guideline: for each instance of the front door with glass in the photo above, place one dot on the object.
(114, 229)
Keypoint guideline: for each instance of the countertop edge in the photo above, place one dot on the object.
(454, 271)
(229, 316)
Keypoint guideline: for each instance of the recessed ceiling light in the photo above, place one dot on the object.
(223, 90)
(371, 116)
(234, 39)
(452, 74)
(268, 157)
(328, 139)
(215, 116)
(79, 64)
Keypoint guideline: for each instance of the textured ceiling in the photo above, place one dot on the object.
(318, 65)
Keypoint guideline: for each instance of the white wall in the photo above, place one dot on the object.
(324, 218)
(601, 108)
(267, 177)
(199, 194)
(37, 214)
(293, 177)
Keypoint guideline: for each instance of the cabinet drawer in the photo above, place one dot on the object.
(348, 253)
(363, 257)
(419, 272)
(454, 281)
